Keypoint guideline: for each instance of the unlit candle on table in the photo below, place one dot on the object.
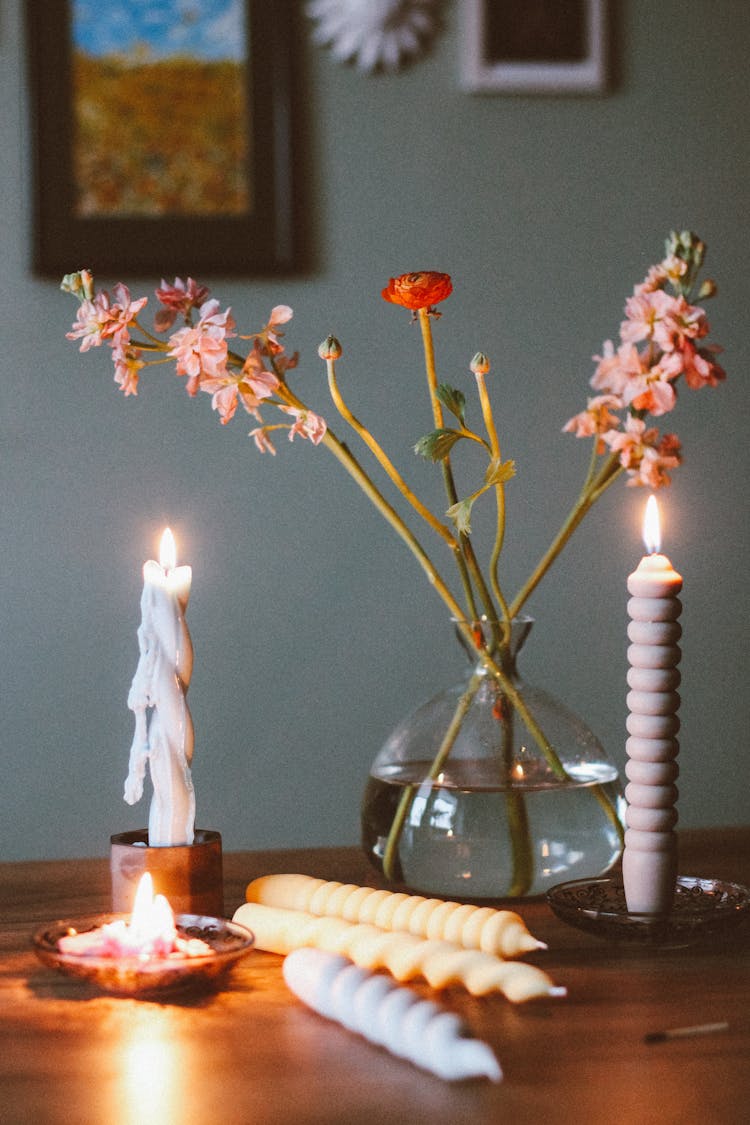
(649, 865)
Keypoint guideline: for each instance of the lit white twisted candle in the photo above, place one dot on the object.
(164, 738)
(649, 864)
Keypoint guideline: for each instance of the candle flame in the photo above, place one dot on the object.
(152, 921)
(168, 551)
(652, 527)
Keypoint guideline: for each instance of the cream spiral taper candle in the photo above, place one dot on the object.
(405, 956)
(389, 1015)
(501, 932)
(649, 864)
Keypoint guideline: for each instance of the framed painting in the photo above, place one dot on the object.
(161, 136)
(534, 46)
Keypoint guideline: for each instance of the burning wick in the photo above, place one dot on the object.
(151, 932)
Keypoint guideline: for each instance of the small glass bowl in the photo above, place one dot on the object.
(145, 976)
(702, 908)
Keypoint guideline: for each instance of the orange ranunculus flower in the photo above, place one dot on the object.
(418, 290)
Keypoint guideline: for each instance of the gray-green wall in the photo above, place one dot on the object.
(314, 631)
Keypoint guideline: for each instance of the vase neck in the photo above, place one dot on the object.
(501, 640)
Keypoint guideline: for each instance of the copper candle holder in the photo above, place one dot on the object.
(189, 875)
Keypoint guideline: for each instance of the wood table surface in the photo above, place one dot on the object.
(252, 1053)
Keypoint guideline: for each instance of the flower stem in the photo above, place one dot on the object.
(385, 461)
(466, 560)
(349, 462)
(390, 853)
(489, 422)
(590, 493)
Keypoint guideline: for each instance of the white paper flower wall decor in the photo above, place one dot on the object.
(373, 34)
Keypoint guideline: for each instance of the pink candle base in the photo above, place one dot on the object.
(649, 872)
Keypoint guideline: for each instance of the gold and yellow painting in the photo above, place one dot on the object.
(160, 108)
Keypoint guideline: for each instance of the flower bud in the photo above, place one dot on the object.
(708, 289)
(330, 348)
(80, 283)
(480, 364)
(71, 283)
(87, 281)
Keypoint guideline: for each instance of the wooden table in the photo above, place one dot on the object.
(252, 1053)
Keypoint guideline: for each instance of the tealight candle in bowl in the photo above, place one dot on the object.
(149, 952)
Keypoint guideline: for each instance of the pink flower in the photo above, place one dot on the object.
(657, 459)
(666, 320)
(92, 318)
(99, 320)
(232, 387)
(127, 367)
(699, 367)
(680, 322)
(674, 268)
(262, 440)
(201, 350)
(597, 418)
(616, 369)
(307, 424)
(257, 383)
(123, 311)
(671, 269)
(280, 314)
(178, 298)
(644, 456)
(644, 312)
(656, 278)
(250, 386)
(652, 389)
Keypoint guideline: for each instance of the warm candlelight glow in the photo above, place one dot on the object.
(652, 527)
(150, 932)
(150, 1069)
(168, 550)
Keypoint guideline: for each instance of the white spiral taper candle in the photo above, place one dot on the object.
(389, 1015)
(649, 864)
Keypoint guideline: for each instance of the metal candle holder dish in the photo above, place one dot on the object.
(701, 909)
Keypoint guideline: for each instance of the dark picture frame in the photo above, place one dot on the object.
(255, 239)
(534, 46)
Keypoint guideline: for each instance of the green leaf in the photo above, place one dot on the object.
(460, 513)
(500, 471)
(453, 400)
(437, 445)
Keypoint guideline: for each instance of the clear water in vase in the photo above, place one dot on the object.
(456, 841)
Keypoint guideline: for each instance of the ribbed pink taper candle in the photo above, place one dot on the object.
(649, 864)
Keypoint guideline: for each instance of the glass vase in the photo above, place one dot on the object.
(493, 788)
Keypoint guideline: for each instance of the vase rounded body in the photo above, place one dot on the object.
(492, 789)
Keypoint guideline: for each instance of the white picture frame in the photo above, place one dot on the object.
(483, 69)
